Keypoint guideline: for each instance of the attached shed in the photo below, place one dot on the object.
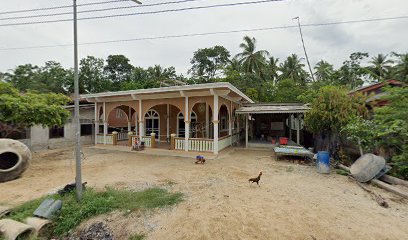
(265, 123)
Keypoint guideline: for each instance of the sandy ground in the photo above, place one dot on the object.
(292, 202)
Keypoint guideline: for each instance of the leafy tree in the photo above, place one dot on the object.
(118, 70)
(56, 78)
(292, 68)
(159, 74)
(287, 91)
(19, 111)
(252, 61)
(387, 131)
(91, 75)
(252, 93)
(352, 73)
(207, 63)
(331, 109)
(380, 67)
(24, 78)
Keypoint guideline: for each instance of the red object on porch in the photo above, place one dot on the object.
(273, 141)
(283, 140)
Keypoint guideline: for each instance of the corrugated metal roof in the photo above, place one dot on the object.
(265, 108)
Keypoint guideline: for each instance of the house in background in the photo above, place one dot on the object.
(39, 138)
(375, 92)
(199, 118)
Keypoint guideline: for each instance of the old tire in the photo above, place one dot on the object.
(14, 159)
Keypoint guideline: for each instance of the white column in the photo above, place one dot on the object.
(246, 130)
(105, 123)
(168, 123)
(96, 123)
(298, 129)
(136, 123)
(187, 124)
(215, 121)
(230, 124)
(141, 132)
(129, 119)
(207, 121)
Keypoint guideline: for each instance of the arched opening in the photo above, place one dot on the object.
(203, 126)
(223, 118)
(152, 123)
(181, 126)
(8, 160)
(119, 119)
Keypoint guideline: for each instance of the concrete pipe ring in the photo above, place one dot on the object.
(14, 159)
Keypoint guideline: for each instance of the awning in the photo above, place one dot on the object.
(265, 108)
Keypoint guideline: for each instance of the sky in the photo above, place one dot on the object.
(333, 43)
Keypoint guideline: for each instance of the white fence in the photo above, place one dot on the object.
(179, 143)
(200, 145)
(100, 139)
(147, 140)
(224, 142)
(123, 136)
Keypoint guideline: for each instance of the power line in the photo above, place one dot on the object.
(211, 33)
(144, 13)
(60, 7)
(98, 10)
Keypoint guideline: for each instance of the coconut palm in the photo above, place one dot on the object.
(323, 71)
(292, 68)
(400, 70)
(252, 61)
(272, 69)
(380, 66)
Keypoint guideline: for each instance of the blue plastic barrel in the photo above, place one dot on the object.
(323, 162)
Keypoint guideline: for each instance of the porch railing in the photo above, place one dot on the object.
(123, 136)
(224, 142)
(100, 139)
(147, 140)
(194, 144)
(179, 143)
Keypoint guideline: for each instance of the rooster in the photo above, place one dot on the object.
(256, 179)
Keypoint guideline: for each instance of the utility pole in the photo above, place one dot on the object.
(304, 48)
(78, 176)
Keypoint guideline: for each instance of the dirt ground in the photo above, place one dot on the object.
(292, 202)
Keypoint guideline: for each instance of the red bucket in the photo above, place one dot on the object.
(283, 140)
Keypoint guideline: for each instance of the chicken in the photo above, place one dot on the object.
(200, 159)
(256, 179)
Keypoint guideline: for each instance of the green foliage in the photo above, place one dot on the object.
(137, 236)
(252, 61)
(118, 70)
(292, 68)
(26, 110)
(333, 108)
(207, 63)
(287, 91)
(96, 203)
(386, 131)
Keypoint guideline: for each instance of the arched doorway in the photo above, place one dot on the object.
(152, 123)
(181, 126)
(223, 121)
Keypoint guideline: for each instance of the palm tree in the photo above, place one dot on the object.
(272, 69)
(292, 68)
(323, 71)
(380, 66)
(252, 61)
(400, 70)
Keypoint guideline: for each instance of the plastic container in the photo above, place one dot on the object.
(323, 162)
(283, 141)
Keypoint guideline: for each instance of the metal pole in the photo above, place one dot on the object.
(304, 48)
(78, 177)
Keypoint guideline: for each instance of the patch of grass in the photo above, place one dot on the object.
(342, 172)
(137, 237)
(95, 203)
